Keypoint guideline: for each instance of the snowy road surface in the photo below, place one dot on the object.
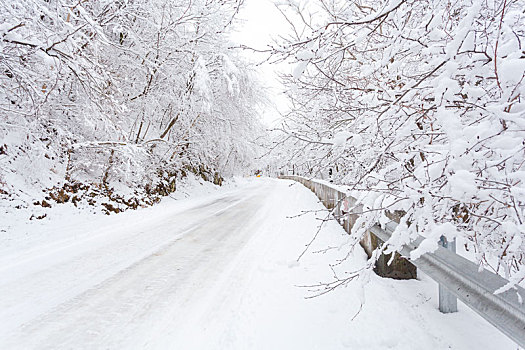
(213, 273)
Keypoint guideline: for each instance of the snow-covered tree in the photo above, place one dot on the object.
(418, 107)
(122, 95)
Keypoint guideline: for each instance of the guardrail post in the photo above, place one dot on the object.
(448, 302)
(338, 212)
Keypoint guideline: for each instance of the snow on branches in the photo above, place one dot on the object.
(118, 92)
(418, 107)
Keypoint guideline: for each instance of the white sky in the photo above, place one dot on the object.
(259, 22)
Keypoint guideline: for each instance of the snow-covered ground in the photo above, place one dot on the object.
(210, 272)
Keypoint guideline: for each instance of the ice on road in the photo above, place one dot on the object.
(215, 273)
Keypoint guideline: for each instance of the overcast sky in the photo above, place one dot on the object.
(259, 23)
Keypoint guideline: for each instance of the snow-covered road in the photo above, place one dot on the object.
(214, 273)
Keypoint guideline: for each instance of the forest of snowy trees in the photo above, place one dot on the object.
(418, 107)
(120, 98)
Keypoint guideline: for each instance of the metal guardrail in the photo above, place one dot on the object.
(461, 277)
